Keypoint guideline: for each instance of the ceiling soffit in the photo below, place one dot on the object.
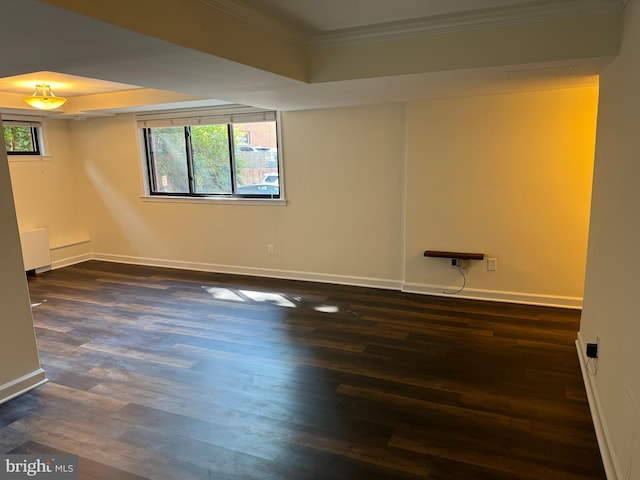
(489, 37)
(568, 39)
(412, 67)
(193, 25)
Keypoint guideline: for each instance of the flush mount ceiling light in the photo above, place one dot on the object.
(44, 99)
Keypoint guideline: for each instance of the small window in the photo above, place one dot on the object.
(21, 138)
(208, 156)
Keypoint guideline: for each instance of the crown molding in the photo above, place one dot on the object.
(531, 11)
(263, 21)
(474, 19)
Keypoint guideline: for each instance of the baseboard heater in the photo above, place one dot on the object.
(35, 249)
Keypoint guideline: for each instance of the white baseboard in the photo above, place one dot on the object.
(22, 385)
(255, 272)
(495, 295)
(70, 254)
(609, 460)
(66, 262)
(424, 289)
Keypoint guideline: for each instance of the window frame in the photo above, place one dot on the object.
(35, 130)
(186, 119)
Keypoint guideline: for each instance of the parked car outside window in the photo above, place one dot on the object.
(273, 178)
(259, 189)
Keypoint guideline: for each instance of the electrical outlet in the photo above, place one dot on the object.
(270, 249)
(460, 263)
(492, 264)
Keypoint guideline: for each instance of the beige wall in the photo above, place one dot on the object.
(504, 175)
(343, 218)
(46, 194)
(19, 364)
(344, 178)
(611, 290)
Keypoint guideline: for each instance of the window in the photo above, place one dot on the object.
(209, 155)
(21, 138)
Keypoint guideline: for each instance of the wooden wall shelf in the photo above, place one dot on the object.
(459, 255)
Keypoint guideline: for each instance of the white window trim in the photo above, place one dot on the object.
(203, 116)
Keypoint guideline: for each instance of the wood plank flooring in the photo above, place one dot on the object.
(167, 374)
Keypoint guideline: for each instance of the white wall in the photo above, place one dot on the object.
(504, 175)
(19, 364)
(611, 290)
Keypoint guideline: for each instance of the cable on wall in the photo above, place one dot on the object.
(464, 282)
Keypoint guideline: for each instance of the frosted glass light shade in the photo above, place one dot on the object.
(44, 99)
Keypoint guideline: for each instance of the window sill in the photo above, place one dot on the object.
(215, 201)
(29, 158)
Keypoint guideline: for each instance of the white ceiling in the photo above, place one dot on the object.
(86, 58)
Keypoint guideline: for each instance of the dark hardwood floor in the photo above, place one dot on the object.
(168, 374)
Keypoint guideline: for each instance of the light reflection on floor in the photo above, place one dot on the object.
(223, 294)
(274, 298)
(326, 308)
(281, 300)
